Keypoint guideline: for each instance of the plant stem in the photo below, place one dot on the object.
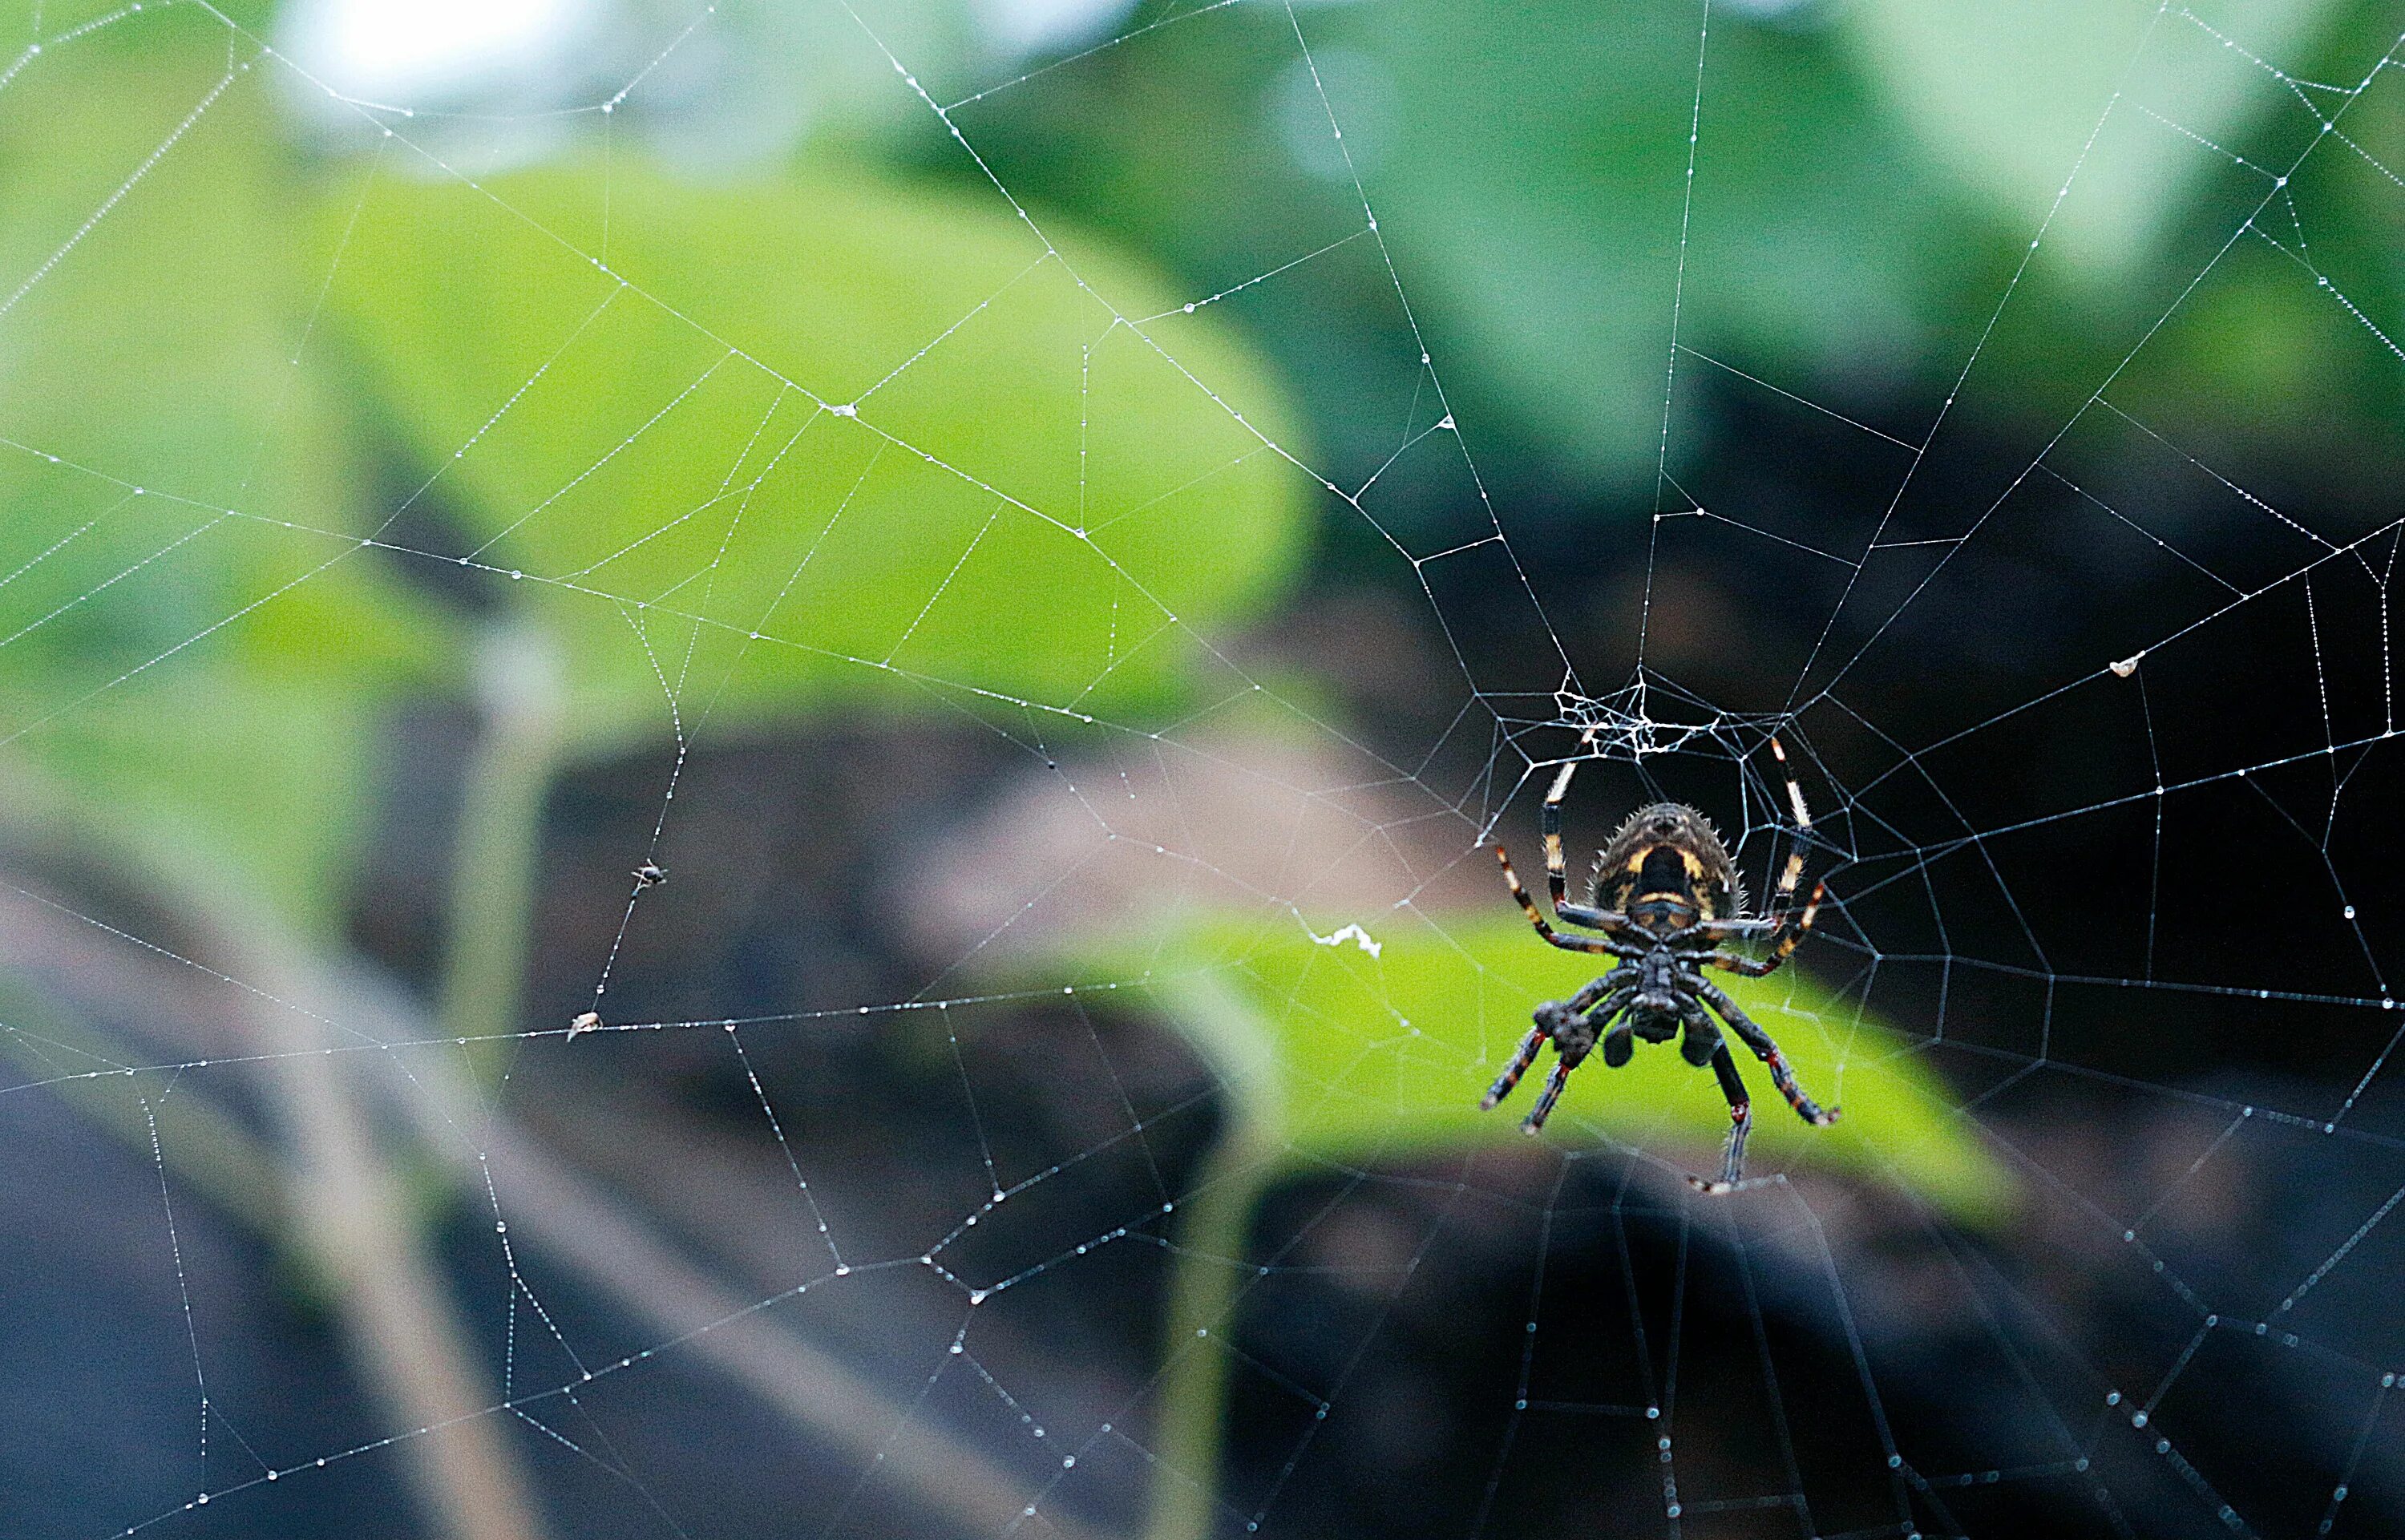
(1208, 1267)
(517, 753)
(402, 1327)
(350, 1208)
(599, 1242)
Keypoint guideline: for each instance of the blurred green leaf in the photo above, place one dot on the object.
(2013, 96)
(193, 635)
(1536, 194)
(627, 384)
(2270, 354)
(1367, 1058)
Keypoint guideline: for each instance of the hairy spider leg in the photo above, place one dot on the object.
(1767, 1051)
(1568, 943)
(1740, 1125)
(1535, 1040)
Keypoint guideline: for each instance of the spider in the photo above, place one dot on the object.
(1661, 888)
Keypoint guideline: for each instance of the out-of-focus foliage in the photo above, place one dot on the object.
(725, 89)
(1530, 181)
(875, 427)
(2209, 108)
(607, 352)
(1867, 180)
(1538, 181)
(2014, 98)
(174, 650)
(1359, 1057)
(209, 651)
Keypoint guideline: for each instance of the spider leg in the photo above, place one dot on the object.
(1574, 1048)
(1772, 926)
(1557, 869)
(1568, 943)
(1557, 879)
(1535, 1122)
(1610, 983)
(1767, 1051)
(1618, 1044)
(1594, 919)
(1529, 1047)
(1724, 930)
(1787, 940)
(1550, 1017)
(1702, 1040)
(1740, 1123)
(1794, 870)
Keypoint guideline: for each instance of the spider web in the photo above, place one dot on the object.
(2094, 734)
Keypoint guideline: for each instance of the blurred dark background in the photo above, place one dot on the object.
(969, 491)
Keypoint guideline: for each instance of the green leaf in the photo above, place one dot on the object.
(193, 640)
(629, 387)
(2013, 97)
(1536, 197)
(1357, 1058)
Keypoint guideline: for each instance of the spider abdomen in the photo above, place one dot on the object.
(1666, 868)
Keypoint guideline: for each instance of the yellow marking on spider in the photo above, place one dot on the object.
(1794, 792)
(1562, 782)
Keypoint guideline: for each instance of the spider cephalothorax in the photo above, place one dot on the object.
(1665, 897)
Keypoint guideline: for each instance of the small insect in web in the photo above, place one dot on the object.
(649, 874)
(588, 1022)
(1665, 897)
